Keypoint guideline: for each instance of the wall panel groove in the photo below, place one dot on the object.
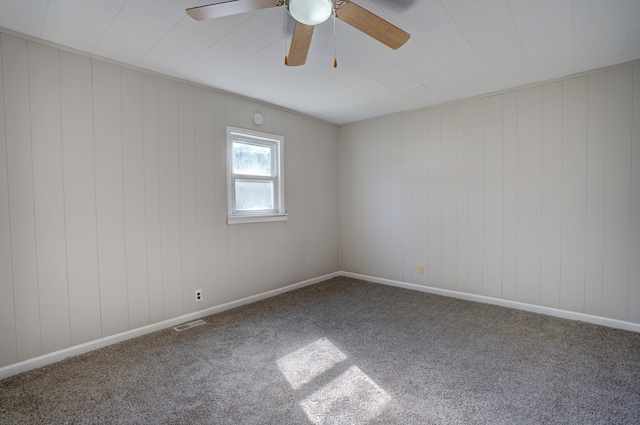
(49, 196)
(552, 194)
(619, 124)
(9, 349)
(21, 196)
(633, 296)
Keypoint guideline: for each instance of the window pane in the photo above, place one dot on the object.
(252, 159)
(254, 195)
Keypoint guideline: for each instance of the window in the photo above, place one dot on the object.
(254, 176)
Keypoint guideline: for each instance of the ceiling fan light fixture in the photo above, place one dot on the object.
(310, 12)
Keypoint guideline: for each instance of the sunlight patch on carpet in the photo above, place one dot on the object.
(305, 364)
(351, 398)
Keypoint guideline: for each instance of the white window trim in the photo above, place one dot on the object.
(237, 218)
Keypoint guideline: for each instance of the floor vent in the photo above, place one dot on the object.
(189, 325)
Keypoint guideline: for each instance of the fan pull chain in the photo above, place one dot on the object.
(286, 26)
(335, 43)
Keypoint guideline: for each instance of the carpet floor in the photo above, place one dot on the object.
(346, 351)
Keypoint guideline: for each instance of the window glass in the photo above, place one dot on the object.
(254, 195)
(252, 159)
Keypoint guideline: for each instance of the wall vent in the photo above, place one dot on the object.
(189, 325)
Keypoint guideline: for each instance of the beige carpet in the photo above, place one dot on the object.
(346, 352)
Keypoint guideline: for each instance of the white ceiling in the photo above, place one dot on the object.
(458, 48)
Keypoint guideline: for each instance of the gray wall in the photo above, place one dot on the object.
(113, 200)
(531, 195)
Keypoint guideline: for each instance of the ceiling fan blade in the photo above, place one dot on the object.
(372, 25)
(230, 7)
(300, 42)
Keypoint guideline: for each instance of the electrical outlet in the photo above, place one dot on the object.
(198, 295)
(421, 269)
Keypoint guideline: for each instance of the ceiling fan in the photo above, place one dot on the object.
(307, 14)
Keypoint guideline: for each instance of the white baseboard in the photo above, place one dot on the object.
(598, 320)
(59, 355)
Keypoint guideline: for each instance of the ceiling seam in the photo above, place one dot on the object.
(634, 22)
(495, 80)
(46, 12)
(520, 39)
(110, 23)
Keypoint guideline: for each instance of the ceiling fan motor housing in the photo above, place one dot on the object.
(310, 12)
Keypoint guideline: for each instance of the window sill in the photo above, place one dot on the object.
(239, 219)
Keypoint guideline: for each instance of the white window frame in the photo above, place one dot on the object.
(273, 141)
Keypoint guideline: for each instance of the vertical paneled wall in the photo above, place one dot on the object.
(531, 195)
(113, 200)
